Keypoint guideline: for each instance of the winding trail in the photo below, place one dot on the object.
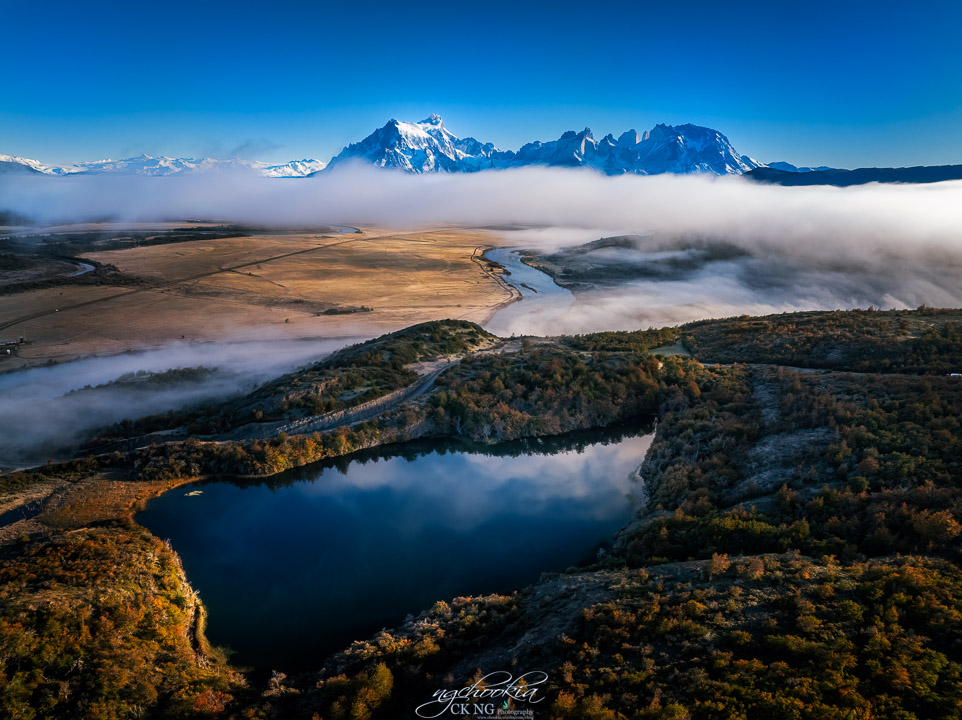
(348, 416)
(365, 411)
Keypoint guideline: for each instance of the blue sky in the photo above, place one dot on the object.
(848, 83)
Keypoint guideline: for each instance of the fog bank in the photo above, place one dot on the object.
(44, 415)
(705, 247)
(800, 219)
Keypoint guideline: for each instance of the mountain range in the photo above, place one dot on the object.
(428, 146)
(160, 166)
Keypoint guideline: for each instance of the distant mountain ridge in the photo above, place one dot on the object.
(788, 167)
(859, 176)
(428, 146)
(161, 166)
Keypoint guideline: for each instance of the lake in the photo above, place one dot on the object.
(295, 569)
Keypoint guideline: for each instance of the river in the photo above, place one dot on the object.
(541, 296)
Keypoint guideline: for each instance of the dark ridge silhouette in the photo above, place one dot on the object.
(860, 176)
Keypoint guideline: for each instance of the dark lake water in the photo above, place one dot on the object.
(294, 570)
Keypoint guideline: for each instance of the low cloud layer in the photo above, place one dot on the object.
(44, 416)
(731, 246)
(635, 289)
(832, 222)
(848, 243)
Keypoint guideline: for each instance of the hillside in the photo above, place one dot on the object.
(921, 342)
(798, 554)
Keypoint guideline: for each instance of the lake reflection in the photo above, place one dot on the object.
(293, 570)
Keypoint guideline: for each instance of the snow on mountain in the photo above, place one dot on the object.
(164, 166)
(683, 150)
(292, 169)
(428, 146)
(425, 146)
(155, 166)
(687, 149)
(10, 161)
(570, 150)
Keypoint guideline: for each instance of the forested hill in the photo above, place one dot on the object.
(924, 341)
(799, 554)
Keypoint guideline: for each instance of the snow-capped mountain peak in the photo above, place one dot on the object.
(688, 148)
(426, 146)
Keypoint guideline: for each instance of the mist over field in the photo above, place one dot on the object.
(660, 280)
(700, 247)
(47, 409)
(806, 220)
(794, 247)
(528, 196)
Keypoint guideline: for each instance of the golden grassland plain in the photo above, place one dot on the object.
(264, 286)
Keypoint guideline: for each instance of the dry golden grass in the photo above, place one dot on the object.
(33, 493)
(260, 287)
(100, 499)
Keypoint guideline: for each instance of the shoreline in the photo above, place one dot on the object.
(515, 294)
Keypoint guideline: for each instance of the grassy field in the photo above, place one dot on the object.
(261, 286)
